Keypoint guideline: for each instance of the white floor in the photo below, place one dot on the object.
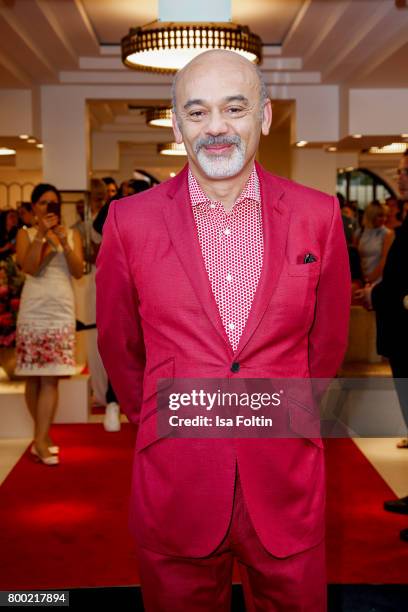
(389, 461)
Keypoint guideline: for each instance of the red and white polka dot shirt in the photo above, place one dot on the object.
(232, 248)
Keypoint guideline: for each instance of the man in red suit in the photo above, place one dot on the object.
(225, 271)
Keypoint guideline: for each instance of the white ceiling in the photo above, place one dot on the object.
(355, 43)
(359, 43)
(270, 19)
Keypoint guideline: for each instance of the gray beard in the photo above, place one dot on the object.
(221, 166)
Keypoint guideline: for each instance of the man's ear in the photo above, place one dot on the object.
(266, 117)
(177, 132)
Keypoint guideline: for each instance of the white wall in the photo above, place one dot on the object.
(378, 111)
(15, 112)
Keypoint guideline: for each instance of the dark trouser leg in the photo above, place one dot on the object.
(399, 367)
(110, 394)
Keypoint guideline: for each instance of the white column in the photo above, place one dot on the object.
(65, 134)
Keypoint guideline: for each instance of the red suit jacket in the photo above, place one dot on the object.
(157, 318)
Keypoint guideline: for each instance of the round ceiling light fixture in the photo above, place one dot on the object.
(171, 148)
(159, 117)
(167, 47)
(7, 151)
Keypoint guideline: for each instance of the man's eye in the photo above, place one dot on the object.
(196, 114)
(234, 110)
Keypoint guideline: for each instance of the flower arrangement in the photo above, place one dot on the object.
(11, 284)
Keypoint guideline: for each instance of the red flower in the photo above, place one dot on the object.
(6, 319)
(14, 304)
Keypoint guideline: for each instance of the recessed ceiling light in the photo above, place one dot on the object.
(171, 148)
(32, 140)
(24, 136)
(357, 135)
(172, 174)
(394, 147)
(332, 149)
(159, 117)
(7, 151)
(39, 145)
(301, 143)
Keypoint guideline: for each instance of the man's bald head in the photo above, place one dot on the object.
(222, 58)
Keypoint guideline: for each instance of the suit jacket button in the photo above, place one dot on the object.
(235, 367)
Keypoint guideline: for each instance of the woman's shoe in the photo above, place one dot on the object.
(53, 460)
(54, 450)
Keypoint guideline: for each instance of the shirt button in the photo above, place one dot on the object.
(235, 367)
(229, 279)
(227, 231)
(231, 326)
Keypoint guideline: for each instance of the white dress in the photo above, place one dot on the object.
(45, 339)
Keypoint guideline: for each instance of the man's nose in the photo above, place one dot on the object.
(216, 124)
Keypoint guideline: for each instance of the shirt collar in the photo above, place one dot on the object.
(251, 191)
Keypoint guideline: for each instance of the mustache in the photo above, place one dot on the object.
(217, 140)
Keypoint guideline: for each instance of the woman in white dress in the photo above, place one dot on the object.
(49, 254)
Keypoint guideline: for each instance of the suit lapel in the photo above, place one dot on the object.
(275, 226)
(183, 234)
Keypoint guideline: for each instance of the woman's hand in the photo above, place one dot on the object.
(47, 222)
(61, 233)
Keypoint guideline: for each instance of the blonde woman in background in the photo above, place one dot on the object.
(374, 241)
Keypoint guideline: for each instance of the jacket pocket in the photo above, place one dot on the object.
(304, 423)
(310, 269)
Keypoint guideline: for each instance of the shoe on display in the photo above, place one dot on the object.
(403, 443)
(400, 506)
(111, 421)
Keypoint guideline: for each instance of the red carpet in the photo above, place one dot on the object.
(363, 544)
(66, 527)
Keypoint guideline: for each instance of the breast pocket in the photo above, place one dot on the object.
(295, 296)
(310, 269)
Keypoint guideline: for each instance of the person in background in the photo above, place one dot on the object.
(111, 188)
(85, 291)
(26, 215)
(393, 219)
(374, 241)
(49, 254)
(8, 232)
(391, 305)
(111, 421)
(350, 223)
